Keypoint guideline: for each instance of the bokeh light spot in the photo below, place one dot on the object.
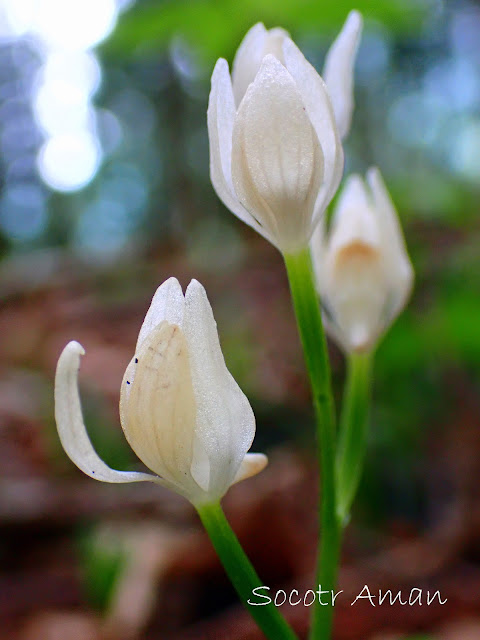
(68, 24)
(68, 162)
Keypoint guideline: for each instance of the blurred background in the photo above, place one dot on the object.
(104, 193)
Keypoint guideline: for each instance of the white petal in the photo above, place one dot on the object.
(71, 429)
(225, 423)
(252, 464)
(317, 103)
(158, 413)
(397, 261)
(274, 43)
(354, 218)
(332, 329)
(358, 283)
(357, 292)
(254, 47)
(167, 304)
(200, 467)
(220, 118)
(247, 60)
(277, 162)
(319, 250)
(386, 214)
(338, 70)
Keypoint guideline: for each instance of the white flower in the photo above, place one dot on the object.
(181, 410)
(363, 272)
(276, 159)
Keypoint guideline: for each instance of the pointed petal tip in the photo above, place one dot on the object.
(354, 194)
(257, 26)
(221, 71)
(267, 67)
(270, 64)
(254, 30)
(354, 20)
(195, 288)
(279, 31)
(270, 58)
(169, 285)
(379, 189)
(168, 303)
(380, 193)
(220, 66)
(373, 173)
(353, 178)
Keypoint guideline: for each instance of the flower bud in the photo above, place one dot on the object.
(275, 155)
(363, 272)
(181, 410)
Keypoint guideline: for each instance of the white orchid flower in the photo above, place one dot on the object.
(363, 272)
(181, 410)
(276, 159)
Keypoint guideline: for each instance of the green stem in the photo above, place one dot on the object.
(310, 326)
(242, 575)
(353, 432)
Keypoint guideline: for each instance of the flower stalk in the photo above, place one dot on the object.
(309, 321)
(352, 441)
(241, 573)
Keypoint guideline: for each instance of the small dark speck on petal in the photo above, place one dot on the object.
(136, 360)
(128, 382)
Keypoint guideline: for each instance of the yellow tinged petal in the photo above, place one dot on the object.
(158, 410)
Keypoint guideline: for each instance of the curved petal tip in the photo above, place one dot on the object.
(71, 428)
(252, 464)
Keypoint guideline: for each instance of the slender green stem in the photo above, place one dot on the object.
(310, 326)
(353, 432)
(242, 575)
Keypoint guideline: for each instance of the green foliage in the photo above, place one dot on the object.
(102, 564)
(107, 438)
(215, 28)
